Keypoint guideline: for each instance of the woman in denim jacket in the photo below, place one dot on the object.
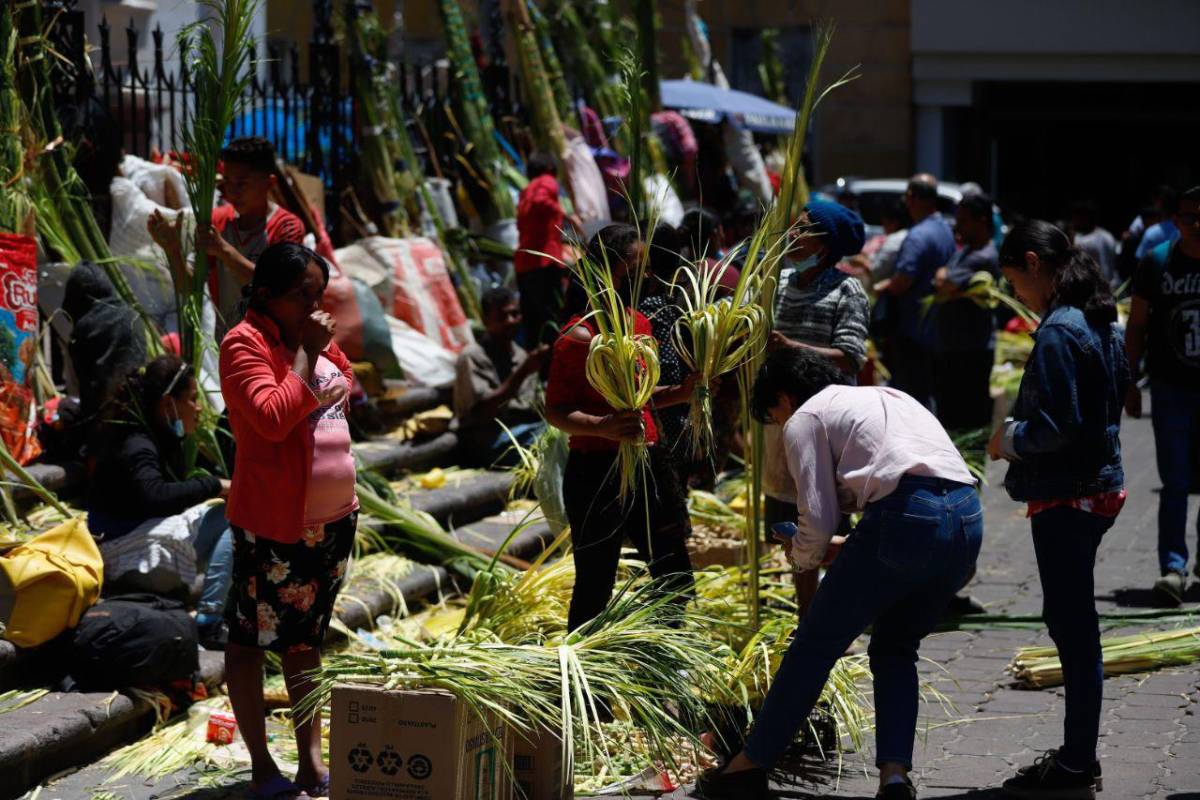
(1063, 446)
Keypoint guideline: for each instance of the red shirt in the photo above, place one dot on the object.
(539, 226)
(568, 385)
(269, 407)
(1106, 504)
(280, 225)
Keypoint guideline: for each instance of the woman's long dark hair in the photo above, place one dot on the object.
(280, 267)
(1077, 279)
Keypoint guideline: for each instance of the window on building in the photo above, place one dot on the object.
(795, 56)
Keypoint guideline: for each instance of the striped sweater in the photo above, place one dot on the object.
(831, 311)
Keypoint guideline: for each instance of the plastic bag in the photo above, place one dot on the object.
(18, 345)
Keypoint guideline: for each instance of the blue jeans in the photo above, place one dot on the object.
(910, 553)
(214, 552)
(1175, 412)
(502, 454)
(1065, 541)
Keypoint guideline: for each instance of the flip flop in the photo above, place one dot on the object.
(320, 789)
(277, 788)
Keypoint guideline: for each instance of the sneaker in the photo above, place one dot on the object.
(1048, 779)
(749, 784)
(963, 605)
(1169, 588)
(898, 791)
(1097, 772)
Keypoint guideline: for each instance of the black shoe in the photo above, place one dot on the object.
(214, 636)
(749, 784)
(1048, 778)
(898, 791)
(1097, 772)
(1169, 589)
(963, 605)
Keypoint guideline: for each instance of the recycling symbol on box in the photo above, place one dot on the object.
(389, 761)
(361, 759)
(420, 767)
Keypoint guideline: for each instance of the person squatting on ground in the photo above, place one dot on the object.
(495, 381)
(655, 516)
(1164, 326)
(292, 505)
(877, 451)
(1064, 451)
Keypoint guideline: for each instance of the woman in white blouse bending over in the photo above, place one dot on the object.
(876, 451)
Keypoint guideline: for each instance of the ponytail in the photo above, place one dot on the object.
(1077, 279)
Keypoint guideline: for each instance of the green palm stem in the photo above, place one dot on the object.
(645, 12)
(551, 62)
(765, 261)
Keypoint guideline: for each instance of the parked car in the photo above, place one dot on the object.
(872, 196)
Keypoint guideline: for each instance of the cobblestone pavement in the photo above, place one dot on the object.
(1150, 731)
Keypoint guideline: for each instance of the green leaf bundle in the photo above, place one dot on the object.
(473, 114)
(218, 57)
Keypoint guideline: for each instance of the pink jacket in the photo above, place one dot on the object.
(268, 407)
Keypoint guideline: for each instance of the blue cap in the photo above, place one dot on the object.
(841, 229)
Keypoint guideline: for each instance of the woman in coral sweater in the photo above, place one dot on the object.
(292, 505)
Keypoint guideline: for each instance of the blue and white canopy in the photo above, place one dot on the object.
(707, 103)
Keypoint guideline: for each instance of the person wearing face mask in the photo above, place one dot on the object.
(822, 310)
(153, 522)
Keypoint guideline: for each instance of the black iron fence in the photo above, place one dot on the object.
(311, 119)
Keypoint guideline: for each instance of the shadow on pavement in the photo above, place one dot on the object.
(1146, 598)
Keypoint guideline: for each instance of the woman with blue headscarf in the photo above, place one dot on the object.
(819, 307)
(822, 309)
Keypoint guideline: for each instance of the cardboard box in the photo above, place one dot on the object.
(538, 767)
(414, 745)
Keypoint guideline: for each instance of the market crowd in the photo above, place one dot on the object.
(879, 366)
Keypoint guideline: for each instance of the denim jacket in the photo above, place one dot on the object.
(1064, 435)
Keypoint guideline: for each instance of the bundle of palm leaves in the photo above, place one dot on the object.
(1039, 667)
(546, 123)
(550, 61)
(372, 80)
(474, 116)
(218, 53)
(625, 661)
(764, 257)
(714, 336)
(16, 206)
(405, 529)
(622, 364)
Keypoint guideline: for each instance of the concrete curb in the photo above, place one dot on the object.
(61, 731)
(391, 457)
(475, 499)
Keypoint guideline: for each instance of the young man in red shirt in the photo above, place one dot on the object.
(245, 225)
(539, 258)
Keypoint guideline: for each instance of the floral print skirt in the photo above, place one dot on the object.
(282, 594)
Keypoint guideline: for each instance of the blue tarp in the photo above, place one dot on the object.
(707, 103)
